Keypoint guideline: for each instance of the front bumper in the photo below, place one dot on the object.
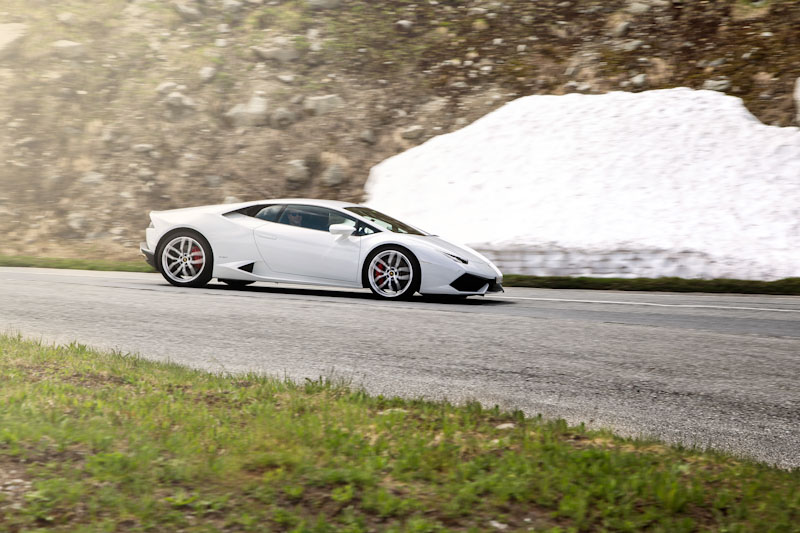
(460, 280)
(149, 256)
(476, 284)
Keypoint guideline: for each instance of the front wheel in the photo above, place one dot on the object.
(185, 259)
(392, 272)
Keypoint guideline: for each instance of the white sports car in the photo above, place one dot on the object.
(319, 242)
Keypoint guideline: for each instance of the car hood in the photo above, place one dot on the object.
(465, 252)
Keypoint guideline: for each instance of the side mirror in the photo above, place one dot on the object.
(341, 229)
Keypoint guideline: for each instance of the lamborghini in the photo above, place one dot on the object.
(318, 242)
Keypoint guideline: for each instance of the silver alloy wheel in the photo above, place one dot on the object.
(183, 259)
(390, 274)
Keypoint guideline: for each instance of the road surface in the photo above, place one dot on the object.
(718, 371)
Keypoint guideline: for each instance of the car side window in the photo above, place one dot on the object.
(270, 213)
(317, 218)
(364, 229)
(361, 228)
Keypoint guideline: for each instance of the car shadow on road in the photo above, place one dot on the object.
(356, 294)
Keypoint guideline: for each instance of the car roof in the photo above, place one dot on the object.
(336, 204)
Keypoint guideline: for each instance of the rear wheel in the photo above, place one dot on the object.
(236, 283)
(392, 272)
(184, 259)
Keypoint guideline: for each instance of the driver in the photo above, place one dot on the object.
(295, 218)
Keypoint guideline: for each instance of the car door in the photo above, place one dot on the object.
(299, 244)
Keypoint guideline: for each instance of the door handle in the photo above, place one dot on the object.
(268, 236)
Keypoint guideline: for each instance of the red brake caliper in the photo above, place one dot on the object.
(196, 254)
(378, 270)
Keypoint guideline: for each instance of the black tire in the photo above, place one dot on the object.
(191, 249)
(236, 283)
(371, 273)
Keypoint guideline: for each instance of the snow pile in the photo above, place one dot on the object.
(660, 183)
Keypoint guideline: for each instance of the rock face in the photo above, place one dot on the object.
(348, 78)
(142, 148)
(282, 118)
(166, 87)
(297, 174)
(66, 18)
(253, 113)
(207, 73)
(413, 132)
(178, 100)
(368, 136)
(323, 4)
(720, 85)
(187, 12)
(320, 105)
(10, 36)
(92, 178)
(333, 176)
(282, 49)
(797, 100)
(232, 6)
(68, 49)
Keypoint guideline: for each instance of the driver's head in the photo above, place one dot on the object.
(295, 218)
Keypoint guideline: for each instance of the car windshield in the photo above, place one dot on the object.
(383, 221)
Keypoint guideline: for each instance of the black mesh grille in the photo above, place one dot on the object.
(470, 283)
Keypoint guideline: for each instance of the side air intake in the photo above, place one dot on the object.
(247, 268)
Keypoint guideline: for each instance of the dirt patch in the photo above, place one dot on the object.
(14, 484)
(95, 380)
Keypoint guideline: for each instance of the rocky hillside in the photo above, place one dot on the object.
(115, 108)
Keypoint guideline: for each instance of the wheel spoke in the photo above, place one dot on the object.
(387, 281)
(191, 269)
(384, 265)
(404, 277)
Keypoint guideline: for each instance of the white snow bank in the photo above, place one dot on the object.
(660, 183)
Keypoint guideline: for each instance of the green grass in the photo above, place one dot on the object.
(74, 264)
(740, 286)
(105, 442)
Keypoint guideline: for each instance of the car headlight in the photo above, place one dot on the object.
(456, 258)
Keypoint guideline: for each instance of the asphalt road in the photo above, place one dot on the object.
(718, 371)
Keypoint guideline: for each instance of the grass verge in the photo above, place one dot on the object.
(75, 264)
(103, 442)
(787, 286)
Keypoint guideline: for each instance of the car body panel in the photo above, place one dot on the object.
(251, 249)
(292, 250)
